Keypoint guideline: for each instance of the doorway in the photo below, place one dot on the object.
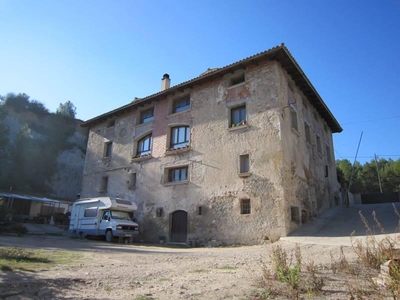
(179, 226)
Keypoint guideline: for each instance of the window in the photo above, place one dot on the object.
(180, 105)
(326, 171)
(147, 115)
(111, 124)
(307, 130)
(244, 164)
(180, 137)
(295, 214)
(293, 117)
(178, 174)
(319, 147)
(237, 79)
(144, 145)
(238, 115)
(90, 212)
(132, 181)
(108, 149)
(199, 210)
(245, 206)
(328, 154)
(104, 184)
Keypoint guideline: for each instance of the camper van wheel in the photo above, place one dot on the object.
(109, 236)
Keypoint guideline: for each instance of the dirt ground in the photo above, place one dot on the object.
(113, 271)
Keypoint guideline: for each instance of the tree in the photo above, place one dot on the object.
(67, 109)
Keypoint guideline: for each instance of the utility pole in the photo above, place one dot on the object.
(352, 170)
(377, 171)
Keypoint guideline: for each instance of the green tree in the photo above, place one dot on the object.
(67, 109)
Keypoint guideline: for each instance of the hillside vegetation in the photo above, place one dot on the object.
(38, 149)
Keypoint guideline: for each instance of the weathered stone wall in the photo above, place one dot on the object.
(309, 175)
(213, 162)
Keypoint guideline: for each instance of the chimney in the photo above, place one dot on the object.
(165, 82)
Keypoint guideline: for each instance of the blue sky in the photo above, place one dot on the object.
(102, 54)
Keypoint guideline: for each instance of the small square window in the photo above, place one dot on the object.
(237, 79)
(238, 115)
(178, 174)
(245, 208)
(147, 115)
(111, 124)
(180, 105)
(108, 149)
(293, 117)
(244, 164)
(104, 184)
(307, 130)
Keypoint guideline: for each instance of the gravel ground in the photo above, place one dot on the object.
(112, 271)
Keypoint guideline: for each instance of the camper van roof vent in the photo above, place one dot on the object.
(120, 201)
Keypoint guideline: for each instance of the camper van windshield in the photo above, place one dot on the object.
(121, 215)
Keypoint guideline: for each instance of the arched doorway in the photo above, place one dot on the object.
(179, 226)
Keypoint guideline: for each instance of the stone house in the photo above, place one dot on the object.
(239, 155)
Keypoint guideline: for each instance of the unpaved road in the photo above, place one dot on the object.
(112, 271)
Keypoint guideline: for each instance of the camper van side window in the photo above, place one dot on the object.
(90, 212)
(106, 215)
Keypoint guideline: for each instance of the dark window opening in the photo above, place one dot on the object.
(200, 210)
(326, 171)
(108, 149)
(147, 115)
(111, 124)
(295, 214)
(104, 184)
(237, 79)
(132, 181)
(245, 208)
(180, 105)
(293, 115)
(180, 137)
(307, 129)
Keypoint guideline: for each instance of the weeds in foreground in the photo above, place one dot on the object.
(366, 279)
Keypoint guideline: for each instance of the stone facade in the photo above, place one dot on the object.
(246, 183)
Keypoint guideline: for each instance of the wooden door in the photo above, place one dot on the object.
(179, 226)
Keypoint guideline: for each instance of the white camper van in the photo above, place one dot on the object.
(103, 216)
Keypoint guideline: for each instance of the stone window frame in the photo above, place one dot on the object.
(104, 184)
(294, 120)
(166, 176)
(307, 132)
(108, 149)
(242, 171)
(141, 119)
(237, 79)
(245, 206)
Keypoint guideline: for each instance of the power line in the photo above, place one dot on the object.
(371, 120)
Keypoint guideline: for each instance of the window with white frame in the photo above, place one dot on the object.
(144, 145)
(238, 115)
(181, 104)
(180, 137)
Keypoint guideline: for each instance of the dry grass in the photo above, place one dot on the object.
(289, 277)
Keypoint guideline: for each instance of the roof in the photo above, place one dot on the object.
(278, 53)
